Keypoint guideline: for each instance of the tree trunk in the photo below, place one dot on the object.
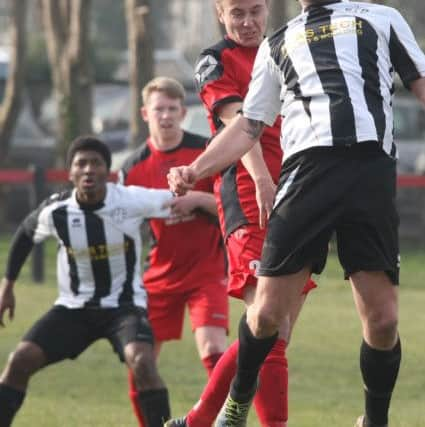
(10, 107)
(66, 25)
(140, 47)
(278, 15)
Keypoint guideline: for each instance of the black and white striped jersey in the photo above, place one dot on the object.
(98, 261)
(330, 73)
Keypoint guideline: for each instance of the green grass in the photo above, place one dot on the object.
(325, 385)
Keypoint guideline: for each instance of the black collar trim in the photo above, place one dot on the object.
(325, 3)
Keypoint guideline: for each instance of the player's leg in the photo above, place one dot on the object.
(211, 343)
(27, 359)
(380, 353)
(133, 393)
(258, 333)
(166, 315)
(130, 333)
(209, 315)
(152, 393)
(271, 399)
(57, 335)
(367, 240)
(243, 249)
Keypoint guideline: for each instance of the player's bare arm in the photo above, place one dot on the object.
(218, 155)
(7, 299)
(254, 163)
(254, 129)
(418, 89)
(227, 147)
(192, 201)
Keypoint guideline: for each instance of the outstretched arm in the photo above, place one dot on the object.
(243, 134)
(193, 200)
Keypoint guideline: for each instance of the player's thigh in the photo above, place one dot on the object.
(166, 315)
(126, 325)
(367, 233)
(208, 305)
(61, 333)
(376, 298)
(304, 215)
(244, 246)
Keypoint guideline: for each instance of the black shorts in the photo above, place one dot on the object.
(64, 333)
(347, 190)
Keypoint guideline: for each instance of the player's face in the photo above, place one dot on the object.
(164, 116)
(89, 173)
(245, 20)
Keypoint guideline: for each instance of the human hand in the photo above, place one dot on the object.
(181, 179)
(183, 205)
(7, 300)
(265, 190)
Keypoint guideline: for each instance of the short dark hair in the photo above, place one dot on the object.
(88, 142)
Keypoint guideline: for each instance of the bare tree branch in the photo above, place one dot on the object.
(10, 107)
(140, 46)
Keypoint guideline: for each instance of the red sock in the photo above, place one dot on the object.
(133, 394)
(215, 392)
(271, 400)
(210, 361)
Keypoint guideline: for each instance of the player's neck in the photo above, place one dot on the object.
(163, 143)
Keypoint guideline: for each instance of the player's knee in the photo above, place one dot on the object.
(24, 361)
(143, 366)
(266, 323)
(212, 347)
(383, 325)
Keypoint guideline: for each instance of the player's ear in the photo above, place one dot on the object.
(219, 12)
(144, 113)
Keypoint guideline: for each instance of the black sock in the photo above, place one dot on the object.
(10, 402)
(252, 353)
(379, 370)
(155, 406)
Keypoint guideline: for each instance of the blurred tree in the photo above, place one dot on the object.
(140, 47)
(66, 26)
(9, 108)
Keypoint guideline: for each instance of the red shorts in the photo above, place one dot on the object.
(244, 248)
(208, 306)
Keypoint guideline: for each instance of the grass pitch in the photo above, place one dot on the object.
(325, 384)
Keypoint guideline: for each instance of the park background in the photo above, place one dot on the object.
(121, 45)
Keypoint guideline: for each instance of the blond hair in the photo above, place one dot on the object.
(166, 85)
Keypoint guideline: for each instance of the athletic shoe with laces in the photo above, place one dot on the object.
(234, 413)
(361, 422)
(176, 422)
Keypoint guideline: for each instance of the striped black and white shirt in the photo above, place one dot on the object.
(98, 261)
(330, 73)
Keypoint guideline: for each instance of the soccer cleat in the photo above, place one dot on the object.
(234, 413)
(176, 422)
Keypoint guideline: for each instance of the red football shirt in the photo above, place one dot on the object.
(187, 252)
(223, 73)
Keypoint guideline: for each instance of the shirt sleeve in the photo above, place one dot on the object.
(19, 250)
(151, 201)
(406, 55)
(262, 103)
(216, 83)
(35, 228)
